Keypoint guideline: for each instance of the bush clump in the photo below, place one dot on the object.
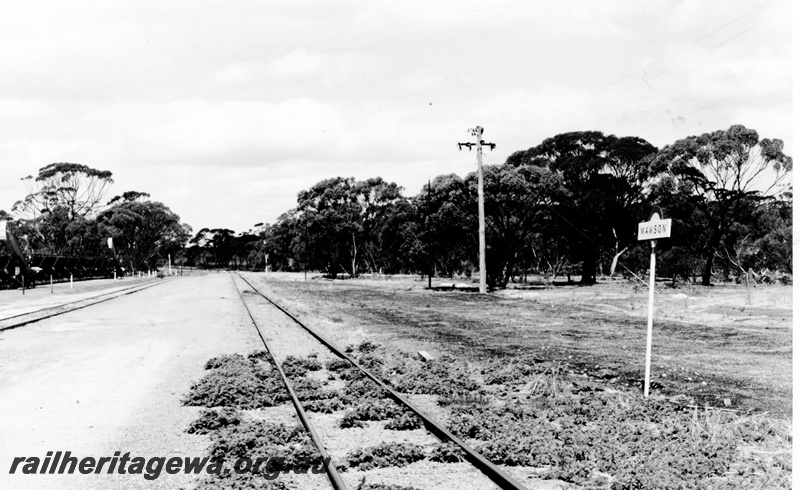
(337, 364)
(380, 486)
(299, 366)
(244, 481)
(238, 382)
(404, 421)
(360, 389)
(365, 347)
(642, 444)
(446, 452)
(350, 421)
(327, 405)
(384, 455)
(211, 420)
(288, 445)
(445, 376)
(507, 373)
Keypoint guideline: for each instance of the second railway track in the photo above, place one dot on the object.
(28, 317)
(491, 472)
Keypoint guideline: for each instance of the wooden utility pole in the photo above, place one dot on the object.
(479, 143)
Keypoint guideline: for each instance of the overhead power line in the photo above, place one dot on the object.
(716, 46)
(692, 43)
(726, 117)
(671, 101)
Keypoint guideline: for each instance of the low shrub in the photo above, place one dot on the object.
(337, 364)
(298, 366)
(365, 347)
(245, 481)
(404, 421)
(384, 455)
(507, 373)
(308, 389)
(445, 376)
(378, 410)
(288, 445)
(351, 421)
(360, 389)
(643, 444)
(380, 486)
(211, 420)
(446, 452)
(238, 382)
(327, 405)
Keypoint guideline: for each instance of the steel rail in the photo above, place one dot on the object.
(70, 302)
(492, 471)
(327, 461)
(124, 292)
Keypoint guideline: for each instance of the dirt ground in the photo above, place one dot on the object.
(725, 346)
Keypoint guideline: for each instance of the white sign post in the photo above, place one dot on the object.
(652, 230)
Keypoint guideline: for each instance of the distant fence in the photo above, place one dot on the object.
(41, 267)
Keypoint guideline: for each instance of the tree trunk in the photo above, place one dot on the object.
(355, 257)
(617, 254)
(615, 260)
(712, 252)
(588, 270)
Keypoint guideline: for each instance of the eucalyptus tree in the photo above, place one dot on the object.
(61, 201)
(339, 223)
(726, 171)
(77, 189)
(517, 201)
(445, 238)
(607, 178)
(143, 232)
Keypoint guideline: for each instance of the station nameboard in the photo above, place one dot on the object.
(655, 228)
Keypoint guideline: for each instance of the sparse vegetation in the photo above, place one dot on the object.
(384, 455)
(404, 421)
(239, 382)
(212, 420)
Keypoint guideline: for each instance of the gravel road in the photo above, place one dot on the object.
(111, 377)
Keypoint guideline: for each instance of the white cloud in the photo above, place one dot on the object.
(299, 65)
(221, 109)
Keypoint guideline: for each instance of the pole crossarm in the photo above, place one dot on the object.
(469, 145)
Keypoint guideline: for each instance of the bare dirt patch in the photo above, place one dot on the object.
(710, 345)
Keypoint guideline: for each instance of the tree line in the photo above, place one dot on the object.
(63, 214)
(568, 206)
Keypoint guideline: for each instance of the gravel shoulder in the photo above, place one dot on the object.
(111, 377)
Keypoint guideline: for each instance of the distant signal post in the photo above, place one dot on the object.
(652, 230)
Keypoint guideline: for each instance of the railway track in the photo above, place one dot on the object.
(490, 470)
(22, 319)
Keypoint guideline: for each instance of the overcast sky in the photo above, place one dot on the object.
(225, 110)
